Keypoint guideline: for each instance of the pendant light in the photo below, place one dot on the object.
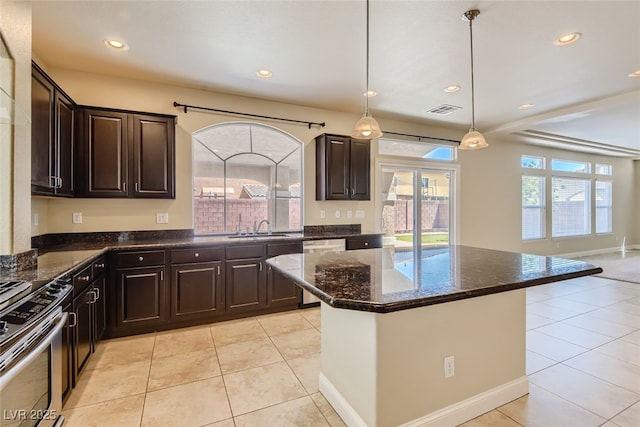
(367, 127)
(473, 140)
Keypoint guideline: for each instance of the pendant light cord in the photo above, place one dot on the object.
(366, 94)
(473, 101)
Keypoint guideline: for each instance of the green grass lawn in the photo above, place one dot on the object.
(427, 238)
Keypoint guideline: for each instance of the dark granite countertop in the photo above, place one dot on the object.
(72, 253)
(384, 280)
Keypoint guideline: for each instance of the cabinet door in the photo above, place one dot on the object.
(245, 285)
(99, 308)
(104, 157)
(42, 97)
(153, 156)
(196, 290)
(360, 170)
(64, 138)
(140, 296)
(281, 291)
(337, 168)
(83, 330)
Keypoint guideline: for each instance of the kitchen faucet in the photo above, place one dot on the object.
(256, 225)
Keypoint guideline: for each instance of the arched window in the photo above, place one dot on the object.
(244, 173)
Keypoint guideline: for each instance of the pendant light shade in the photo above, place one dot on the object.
(367, 127)
(473, 140)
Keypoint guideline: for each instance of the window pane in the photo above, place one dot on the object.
(570, 166)
(532, 162)
(244, 173)
(571, 207)
(603, 207)
(533, 207)
(604, 169)
(415, 149)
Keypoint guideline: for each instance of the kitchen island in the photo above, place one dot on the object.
(389, 323)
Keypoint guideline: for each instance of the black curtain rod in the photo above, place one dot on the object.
(195, 107)
(421, 137)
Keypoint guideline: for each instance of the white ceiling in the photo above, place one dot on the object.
(583, 97)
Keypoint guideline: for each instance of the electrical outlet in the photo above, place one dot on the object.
(359, 213)
(349, 214)
(162, 218)
(337, 214)
(449, 367)
(36, 218)
(77, 218)
(323, 214)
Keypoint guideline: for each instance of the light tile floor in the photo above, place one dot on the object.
(583, 362)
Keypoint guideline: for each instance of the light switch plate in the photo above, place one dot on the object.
(323, 214)
(337, 214)
(77, 218)
(349, 214)
(359, 213)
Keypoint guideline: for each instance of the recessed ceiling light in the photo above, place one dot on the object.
(635, 74)
(115, 44)
(452, 88)
(568, 39)
(264, 73)
(526, 106)
(370, 94)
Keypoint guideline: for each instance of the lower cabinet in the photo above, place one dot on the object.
(83, 344)
(245, 285)
(281, 291)
(66, 349)
(197, 279)
(140, 296)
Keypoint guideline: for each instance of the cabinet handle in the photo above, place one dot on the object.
(161, 275)
(136, 187)
(260, 266)
(196, 254)
(337, 142)
(97, 292)
(353, 191)
(84, 278)
(101, 265)
(366, 243)
(60, 185)
(124, 187)
(140, 258)
(53, 182)
(75, 319)
(93, 295)
(218, 270)
(346, 190)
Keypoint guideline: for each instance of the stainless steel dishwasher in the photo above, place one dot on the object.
(319, 246)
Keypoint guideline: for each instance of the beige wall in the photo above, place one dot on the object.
(635, 218)
(489, 210)
(15, 140)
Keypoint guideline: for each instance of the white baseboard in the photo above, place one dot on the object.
(596, 252)
(452, 415)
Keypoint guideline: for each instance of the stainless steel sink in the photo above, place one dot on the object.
(257, 236)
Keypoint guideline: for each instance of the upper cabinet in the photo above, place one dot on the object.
(125, 154)
(342, 168)
(52, 137)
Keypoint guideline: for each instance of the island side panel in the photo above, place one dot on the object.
(399, 357)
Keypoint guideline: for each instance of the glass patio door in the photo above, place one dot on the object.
(416, 215)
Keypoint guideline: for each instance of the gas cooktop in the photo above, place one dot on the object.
(13, 290)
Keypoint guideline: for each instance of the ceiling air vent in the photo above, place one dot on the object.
(444, 109)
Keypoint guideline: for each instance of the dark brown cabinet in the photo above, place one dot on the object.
(125, 154)
(52, 137)
(197, 279)
(140, 289)
(342, 168)
(83, 346)
(66, 348)
(245, 282)
(281, 291)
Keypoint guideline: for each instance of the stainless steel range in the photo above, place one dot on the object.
(13, 290)
(30, 364)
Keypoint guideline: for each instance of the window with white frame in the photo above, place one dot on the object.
(580, 200)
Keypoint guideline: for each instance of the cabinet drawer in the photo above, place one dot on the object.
(139, 258)
(245, 251)
(98, 266)
(182, 256)
(81, 280)
(364, 242)
(275, 249)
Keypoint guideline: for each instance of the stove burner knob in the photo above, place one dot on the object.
(3, 327)
(53, 291)
(56, 286)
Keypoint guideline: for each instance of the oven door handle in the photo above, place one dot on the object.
(33, 353)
